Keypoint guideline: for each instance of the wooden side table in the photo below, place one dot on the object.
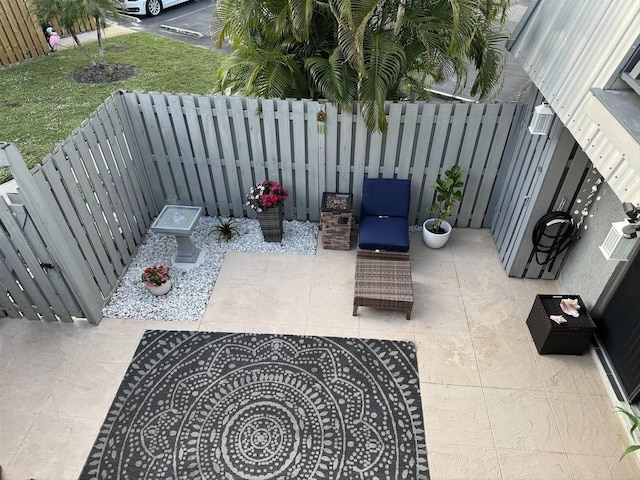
(336, 217)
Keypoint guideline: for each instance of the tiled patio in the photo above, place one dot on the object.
(493, 408)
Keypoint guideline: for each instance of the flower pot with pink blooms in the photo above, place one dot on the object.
(266, 198)
(157, 280)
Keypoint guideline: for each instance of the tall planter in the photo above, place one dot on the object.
(271, 223)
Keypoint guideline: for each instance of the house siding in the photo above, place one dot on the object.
(569, 47)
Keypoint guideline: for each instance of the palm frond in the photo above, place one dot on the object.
(334, 78)
(384, 64)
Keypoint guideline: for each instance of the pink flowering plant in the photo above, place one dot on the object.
(156, 275)
(266, 194)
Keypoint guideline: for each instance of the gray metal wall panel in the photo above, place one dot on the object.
(570, 46)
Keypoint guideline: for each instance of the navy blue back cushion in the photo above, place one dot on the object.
(386, 197)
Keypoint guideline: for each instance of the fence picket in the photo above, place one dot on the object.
(285, 146)
(145, 162)
(417, 207)
(240, 134)
(214, 156)
(480, 161)
(299, 158)
(176, 110)
(359, 161)
(90, 217)
(116, 187)
(408, 139)
(331, 147)
(81, 139)
(50, 175)
(270, 139)
(495, 156)
(436, 151)
(19, 257)
(314, 137)
(229, 164)
(164, 174)
(39, 247)
(165, 121)
(112, 121)
(392, 138)
(255, 134)
(199, 152)
(22, 303)
(344, 151)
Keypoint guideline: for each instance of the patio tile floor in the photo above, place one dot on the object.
(493, 407)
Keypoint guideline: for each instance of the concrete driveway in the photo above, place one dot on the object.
(189, 22)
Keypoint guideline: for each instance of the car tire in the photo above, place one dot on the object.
(154, 7)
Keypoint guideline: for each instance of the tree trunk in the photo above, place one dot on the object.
(100, 46)
(73, 33)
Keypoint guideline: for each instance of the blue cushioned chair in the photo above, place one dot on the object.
(384, 215)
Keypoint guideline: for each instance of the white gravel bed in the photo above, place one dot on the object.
(188, 298)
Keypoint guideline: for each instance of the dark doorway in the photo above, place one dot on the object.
(619, 330)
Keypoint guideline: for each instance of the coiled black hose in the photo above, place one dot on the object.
(547, 247)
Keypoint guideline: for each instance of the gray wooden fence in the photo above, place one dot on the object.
(87, 207)
(208, 151)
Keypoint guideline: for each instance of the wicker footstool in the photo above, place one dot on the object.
(383, 280)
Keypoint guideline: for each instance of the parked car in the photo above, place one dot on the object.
(149, 7)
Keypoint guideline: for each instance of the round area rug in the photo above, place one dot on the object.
(201, 405)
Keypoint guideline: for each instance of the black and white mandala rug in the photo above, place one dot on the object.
(202, 405)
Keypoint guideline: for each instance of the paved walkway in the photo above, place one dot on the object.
(493, 408)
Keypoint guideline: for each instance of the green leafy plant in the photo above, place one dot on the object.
(155, 275)
(448, 192)
(635, 425)
(225, 230)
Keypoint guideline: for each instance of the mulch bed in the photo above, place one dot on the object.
(105, 73)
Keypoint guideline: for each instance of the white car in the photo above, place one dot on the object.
(149, 7)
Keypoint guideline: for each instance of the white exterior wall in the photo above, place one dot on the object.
(570, 46)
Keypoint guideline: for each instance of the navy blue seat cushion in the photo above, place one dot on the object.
(385, 196)
(386, 233)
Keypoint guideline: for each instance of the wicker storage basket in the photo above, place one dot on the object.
(570, 338)
(271, 224)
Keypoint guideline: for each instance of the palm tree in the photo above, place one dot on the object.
(365, 50)
(68, 13)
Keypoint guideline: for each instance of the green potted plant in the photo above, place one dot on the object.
(436, 230)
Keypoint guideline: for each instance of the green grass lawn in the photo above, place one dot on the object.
(41, 104)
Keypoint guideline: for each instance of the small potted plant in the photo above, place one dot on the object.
(157, 280)
(225, 230)
(266, 198)
(436, 230)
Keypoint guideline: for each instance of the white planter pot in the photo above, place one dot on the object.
(435, 240)
(160, 289)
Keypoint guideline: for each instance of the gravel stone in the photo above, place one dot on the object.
(192, 286)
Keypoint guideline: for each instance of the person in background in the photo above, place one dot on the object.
(53, 39)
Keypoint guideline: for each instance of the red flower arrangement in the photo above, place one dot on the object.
(266, 194)
(156, 275)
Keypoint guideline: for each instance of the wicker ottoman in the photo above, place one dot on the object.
(570, 338)
(383, 280)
